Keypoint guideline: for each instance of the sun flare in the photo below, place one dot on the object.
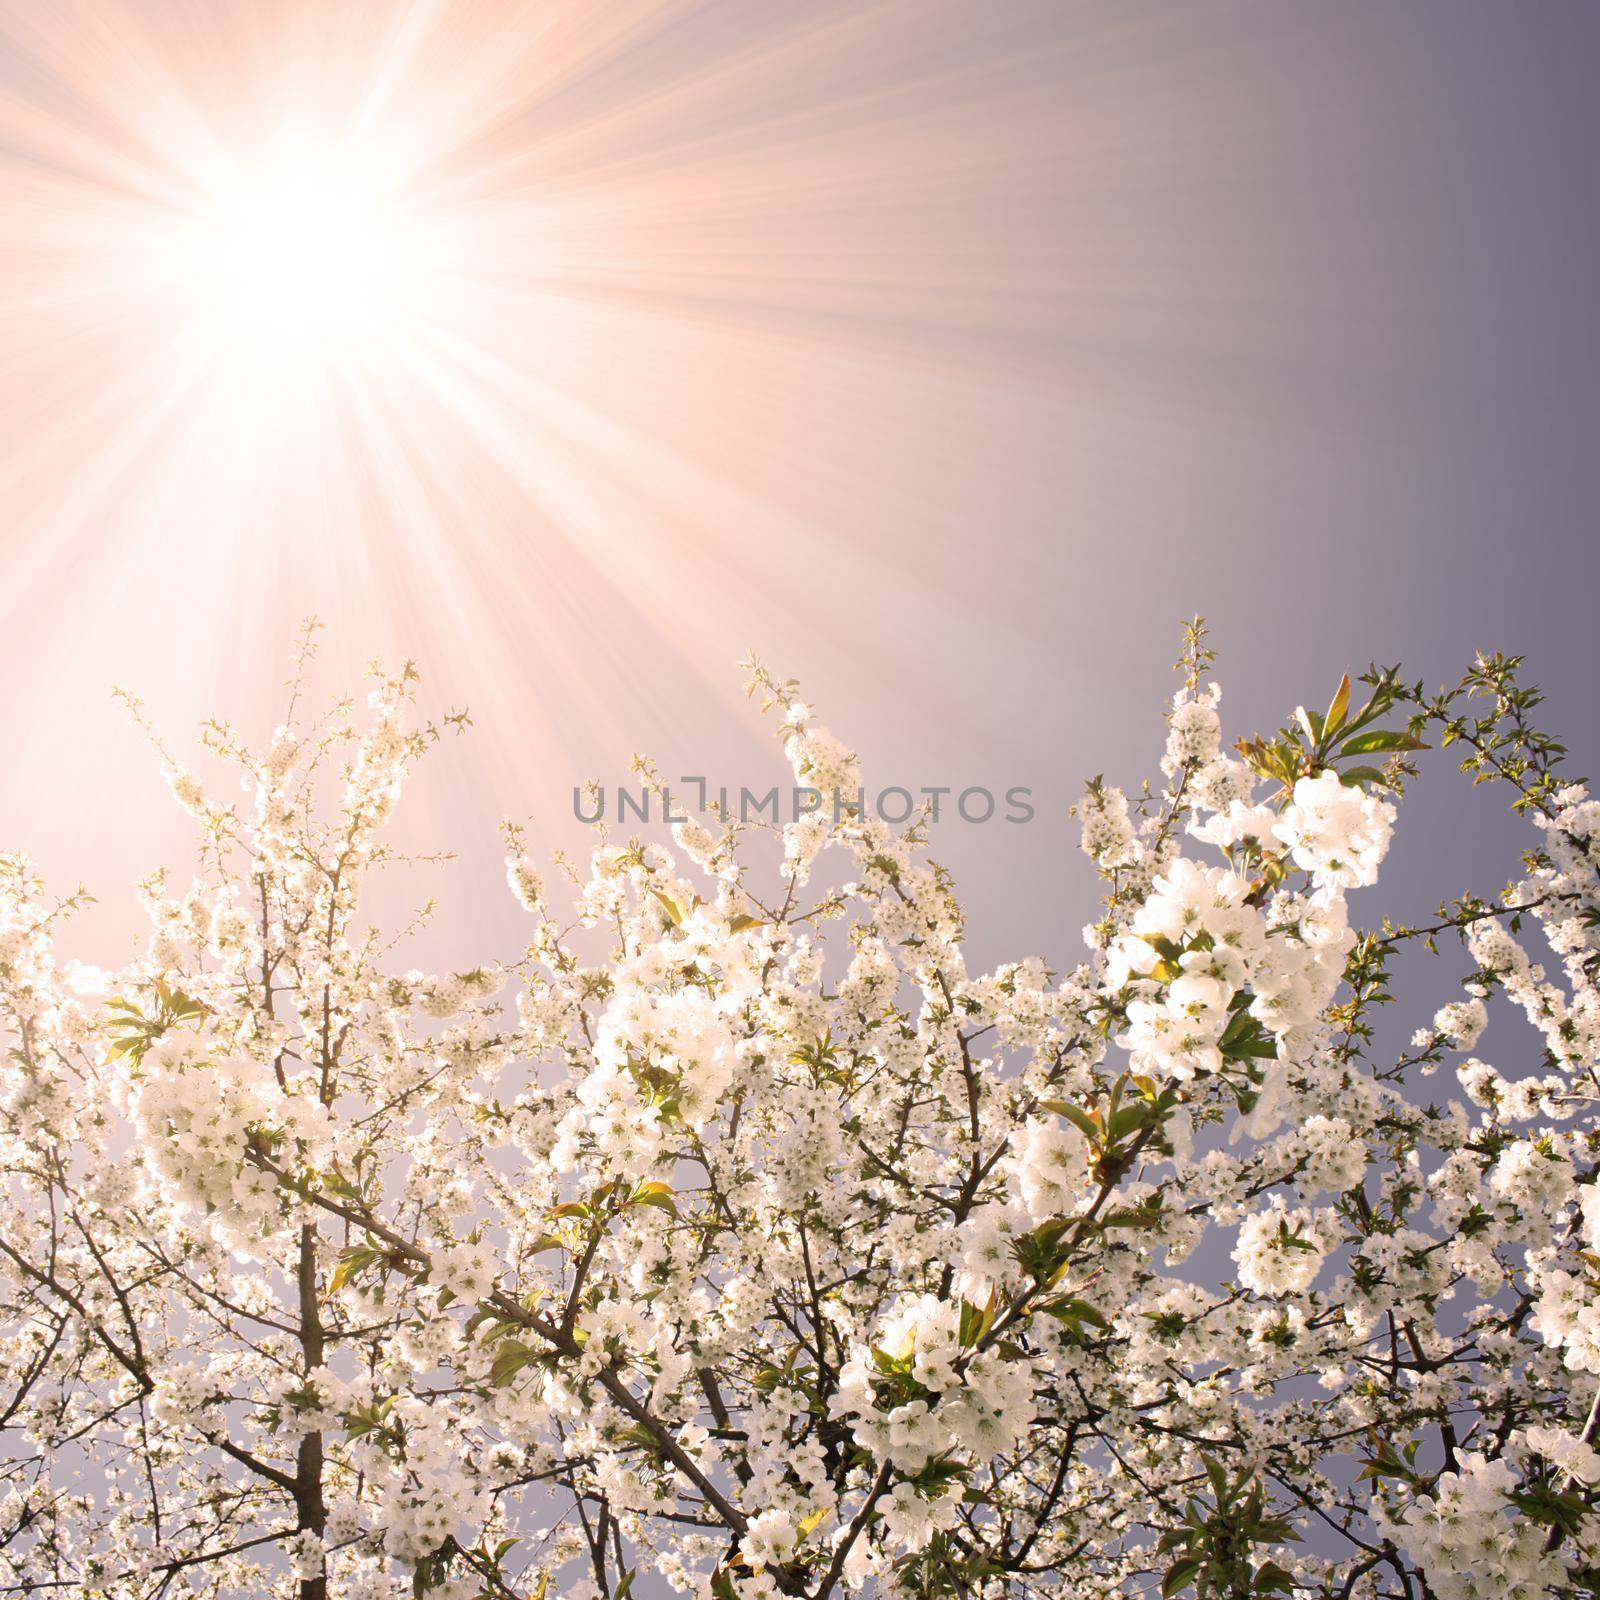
(302, 253)
(488, 330)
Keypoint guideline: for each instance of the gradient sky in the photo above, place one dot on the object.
(947, 353)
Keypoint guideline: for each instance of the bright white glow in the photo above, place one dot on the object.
(303, 254)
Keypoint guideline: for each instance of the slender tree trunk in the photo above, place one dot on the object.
(311, 1511)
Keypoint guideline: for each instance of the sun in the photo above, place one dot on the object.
(301, 253)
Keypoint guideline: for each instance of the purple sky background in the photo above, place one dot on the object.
(947, 354)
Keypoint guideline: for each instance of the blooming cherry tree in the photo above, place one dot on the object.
(738, 1240)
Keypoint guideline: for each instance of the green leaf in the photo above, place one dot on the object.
(1379, 740)
(1131, 1217)
(1075, 1313)
(356, 1259)
(889, 1365)
(809, 1525)
(511, 1358)
(1354, 777)
(975, 1322)
(1128, 1120)
(1271, 1578)
(1338, 709)
(1082, 1120)
(1180, 1575)
(656, 1194)
(670, 906)
(1245, 1038)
